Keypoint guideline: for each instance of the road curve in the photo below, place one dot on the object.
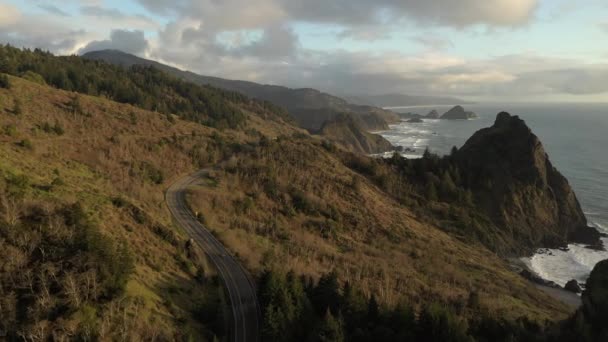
(244, 322)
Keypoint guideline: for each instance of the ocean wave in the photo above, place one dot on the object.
(421, 143)
(562, 266)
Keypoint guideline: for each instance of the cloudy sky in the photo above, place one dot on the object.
(494, 50)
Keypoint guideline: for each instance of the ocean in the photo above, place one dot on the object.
(575, 136)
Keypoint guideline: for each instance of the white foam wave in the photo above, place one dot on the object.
(421, 143)
(562, 266)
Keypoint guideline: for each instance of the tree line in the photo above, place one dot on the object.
(142, 86)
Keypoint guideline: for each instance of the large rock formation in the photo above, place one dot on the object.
(433, 114)
(519, 189)
(458, 113)
(348, 131)
(595, 299)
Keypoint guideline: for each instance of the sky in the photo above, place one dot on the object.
(481, 50)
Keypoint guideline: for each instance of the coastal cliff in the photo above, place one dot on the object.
(517, 186)
(351, 133)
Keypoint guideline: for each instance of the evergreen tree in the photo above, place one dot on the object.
(403, 322)
(373, 311)
(431, 191)
(330, 329)
(454, 151)
(327, 293)
(427, 153)
(4, 82)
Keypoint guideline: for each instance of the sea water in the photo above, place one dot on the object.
(575, 136)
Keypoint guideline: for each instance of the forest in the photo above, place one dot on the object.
(298, 309)
(141, 86)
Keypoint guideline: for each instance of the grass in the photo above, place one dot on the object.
(313, 221)
(282, 201)
(95, 159)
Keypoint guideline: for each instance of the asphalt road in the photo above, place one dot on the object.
(244, 323)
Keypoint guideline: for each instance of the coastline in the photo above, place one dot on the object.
(552, 289)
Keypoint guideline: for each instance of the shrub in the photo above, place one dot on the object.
(17, 110)
(58, 128)
(165, 234)
(10, 130)
(4, 82)
(34, 77)
(26, 143)
(133, 118)
(75, 106)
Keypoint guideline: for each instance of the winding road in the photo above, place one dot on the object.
(244, 322)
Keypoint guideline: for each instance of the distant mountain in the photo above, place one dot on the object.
(397, 100)
(310, 108)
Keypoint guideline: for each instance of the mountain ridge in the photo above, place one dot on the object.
(301, 103)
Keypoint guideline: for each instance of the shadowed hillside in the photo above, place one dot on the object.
(310, 108)
(85, 175)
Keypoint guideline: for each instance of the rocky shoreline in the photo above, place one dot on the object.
(570, 294)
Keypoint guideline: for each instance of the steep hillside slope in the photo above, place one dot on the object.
(91, 173)
(296, 204)
(309, 107)
(76, 183)
(349, 133)
(518, 187)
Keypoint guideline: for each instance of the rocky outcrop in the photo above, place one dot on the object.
(458, 113)
(348, 131)
(592, 315)
(573, 286)
(432, 115)
(518, 188)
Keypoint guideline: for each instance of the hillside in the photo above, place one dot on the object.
(348, 132)
(308, 107)
(85, 175)
(88, 247)
(100, 171)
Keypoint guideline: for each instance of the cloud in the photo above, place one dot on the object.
(115, 18)
(128, 41)
(276, 41)
(38, 31)
(432, 42)
(9, 15)
(575, 81)
(352, 13)
(98, 11)
(260, 41)
(53, 10)
(365, 33)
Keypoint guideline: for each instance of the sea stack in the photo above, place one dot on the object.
(458, 113)
(517, 186)
(432, 115)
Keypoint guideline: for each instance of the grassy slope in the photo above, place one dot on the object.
(370, 239)
(294, 205)
(105, 153)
